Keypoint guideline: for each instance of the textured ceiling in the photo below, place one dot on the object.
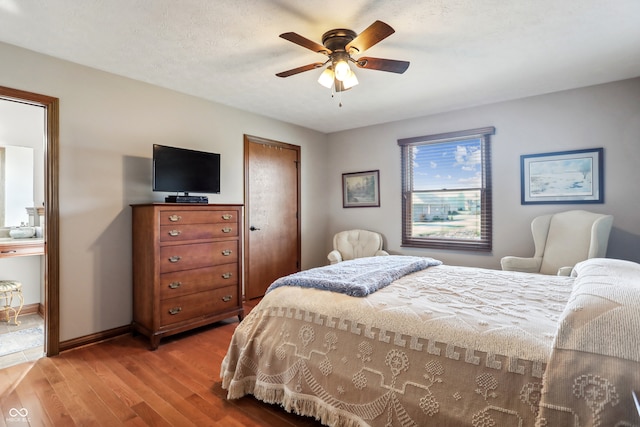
(462, 52)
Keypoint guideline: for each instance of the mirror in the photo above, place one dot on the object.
(16, 193)
(21, 161)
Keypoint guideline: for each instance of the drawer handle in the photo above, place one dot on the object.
(227, 230)
(175, 218)
(9, 252)
(227, 298)
(175, 258)
(174, 233)
(175, 285)
(175, 310)
(227, 252)
(227, 217)
(227, 275)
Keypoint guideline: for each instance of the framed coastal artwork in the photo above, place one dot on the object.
(562, 177)
(361, 189)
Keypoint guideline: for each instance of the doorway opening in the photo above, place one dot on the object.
(51, 263)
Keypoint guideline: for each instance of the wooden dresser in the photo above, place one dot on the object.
(186, 267)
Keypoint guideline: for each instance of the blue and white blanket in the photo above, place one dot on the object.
(359, 277)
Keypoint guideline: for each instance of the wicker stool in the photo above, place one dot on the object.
(8, 290)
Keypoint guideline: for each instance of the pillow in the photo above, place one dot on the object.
(609, 267)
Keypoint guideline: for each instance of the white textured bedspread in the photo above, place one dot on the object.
(446, 346)
(595, 360)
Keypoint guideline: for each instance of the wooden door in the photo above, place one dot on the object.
(272, 219)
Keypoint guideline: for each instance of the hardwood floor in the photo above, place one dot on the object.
(121, 382)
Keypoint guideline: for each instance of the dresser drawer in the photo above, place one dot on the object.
(197, 280)
(21, 247)
(190, 306)
(180, 232)
(178, 216)
(197, 255)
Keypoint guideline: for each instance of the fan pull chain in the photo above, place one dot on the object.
(333, 95)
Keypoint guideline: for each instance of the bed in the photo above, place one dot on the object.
(447, 346)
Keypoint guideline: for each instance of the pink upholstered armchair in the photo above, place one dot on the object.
(353, 244)
(562, 240)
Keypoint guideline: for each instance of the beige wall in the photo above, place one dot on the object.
(107, 127)
(600, 116)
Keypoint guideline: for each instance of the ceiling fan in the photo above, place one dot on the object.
(340, 45)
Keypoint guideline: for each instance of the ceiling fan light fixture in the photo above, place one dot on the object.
(350, 81)
(326, 78)
(338, 45)
(342, 69)
(338, 87)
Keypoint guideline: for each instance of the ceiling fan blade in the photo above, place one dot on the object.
(373, 34)
(390, 65)
(300, 69)
(304, 42)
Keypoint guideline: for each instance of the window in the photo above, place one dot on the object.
(446, 190)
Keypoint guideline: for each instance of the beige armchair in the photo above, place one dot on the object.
(562, 240)
(353, 244)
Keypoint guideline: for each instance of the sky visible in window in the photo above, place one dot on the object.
(447, 165)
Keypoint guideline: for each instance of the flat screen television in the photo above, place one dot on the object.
(185, 171)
